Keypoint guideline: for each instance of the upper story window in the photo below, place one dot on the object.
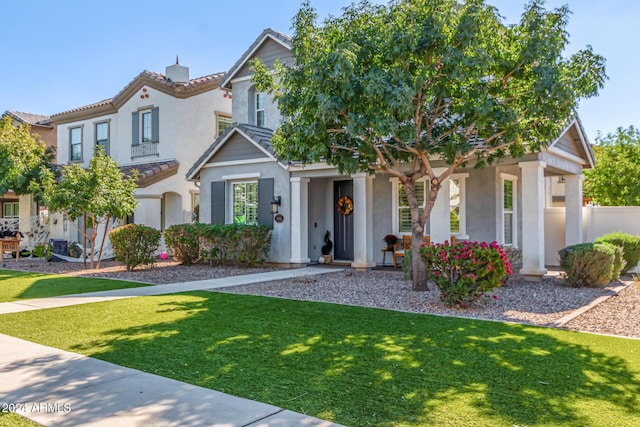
(75, 144)
(223, 122)
(145, 126)
(259, 109)
(102, 136)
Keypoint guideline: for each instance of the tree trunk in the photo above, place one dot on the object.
(104, 237)
(84, 241)
(94, 232)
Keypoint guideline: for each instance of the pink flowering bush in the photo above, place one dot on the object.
(465, 272)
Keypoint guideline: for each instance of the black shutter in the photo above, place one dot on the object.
(135, 128)
(265, 195)
(155, 124)
(217, 202)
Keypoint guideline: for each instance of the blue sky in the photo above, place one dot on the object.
(66, 54)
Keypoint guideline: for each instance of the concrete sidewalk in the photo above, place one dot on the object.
(58, 388)
(67, 300)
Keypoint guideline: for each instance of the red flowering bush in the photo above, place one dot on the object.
(465, 272)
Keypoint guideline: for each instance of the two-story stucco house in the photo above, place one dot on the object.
(240, 175)
(158, 124)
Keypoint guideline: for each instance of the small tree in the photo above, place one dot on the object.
(391, 88)
(615, 181)
(99, 194)
(22, 157)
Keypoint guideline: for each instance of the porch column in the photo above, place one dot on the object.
(299, 220)
(533, 220)
(363, 221)
(439, 220)
(573, 210)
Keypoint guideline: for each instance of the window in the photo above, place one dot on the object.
(509, 230)
(403, 224)
(75, 144)
(223, 122)
(259, 109)
(10, 210)
(146, 126)
(245, 202)
(454, 205)
(102, 136)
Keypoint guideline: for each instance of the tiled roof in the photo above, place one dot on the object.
(284, 38)
(30, 118)
(151, 173)
(155, 80)
(259, 135)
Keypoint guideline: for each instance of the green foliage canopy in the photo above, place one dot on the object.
(615, 181)
(391, 88)
(22, 156)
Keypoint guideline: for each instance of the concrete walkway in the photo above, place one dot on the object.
(59, 388)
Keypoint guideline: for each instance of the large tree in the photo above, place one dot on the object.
(615, 181)
(22, 157)
(390, 88)
(98, 194)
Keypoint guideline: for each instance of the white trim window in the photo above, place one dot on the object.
(245, 202)
(145, 126)
(259, 109)
(509, 210)
(401, 215)
(223, 122)
(75, 144)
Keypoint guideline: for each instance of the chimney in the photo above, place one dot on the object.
(177, 73)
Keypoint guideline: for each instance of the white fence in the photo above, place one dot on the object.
(596, 222)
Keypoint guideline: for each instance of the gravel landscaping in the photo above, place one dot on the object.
(541, 303)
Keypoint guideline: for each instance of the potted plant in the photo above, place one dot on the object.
(326, 248)
(390, 240)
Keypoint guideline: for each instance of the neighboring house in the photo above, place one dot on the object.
(240, 175)
(159, 125)
(21, 212)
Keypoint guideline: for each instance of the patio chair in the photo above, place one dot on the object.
(400, 248)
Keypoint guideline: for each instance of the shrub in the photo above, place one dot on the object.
(630, 245)
(134, 244)
(465, 272)
(239, 243)
(183, 241)
(588, 264)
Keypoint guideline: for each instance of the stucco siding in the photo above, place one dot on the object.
(281, 241)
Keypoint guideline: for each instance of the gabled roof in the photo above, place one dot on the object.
(30, 118)
(259, 136)
(269, 33)
(154, 80)
(150, 173)
(583, 151)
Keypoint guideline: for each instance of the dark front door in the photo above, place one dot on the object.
(343, 220)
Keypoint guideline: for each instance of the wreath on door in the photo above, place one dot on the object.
(345, 206)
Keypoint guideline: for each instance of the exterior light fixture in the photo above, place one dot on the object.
(277, 200)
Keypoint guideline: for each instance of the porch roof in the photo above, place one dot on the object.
(150, 173)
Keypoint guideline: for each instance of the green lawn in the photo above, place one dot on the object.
(18, 285)
(357, 366)
(8, 419)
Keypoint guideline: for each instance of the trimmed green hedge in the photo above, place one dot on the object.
(219, 243)
(591, 264)
(630, 245)
(135, 244)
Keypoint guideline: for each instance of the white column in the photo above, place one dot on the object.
(573, 210)
(439, 220)
(533, 220)
(299, 220)
(148, 211)
(363, 221)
